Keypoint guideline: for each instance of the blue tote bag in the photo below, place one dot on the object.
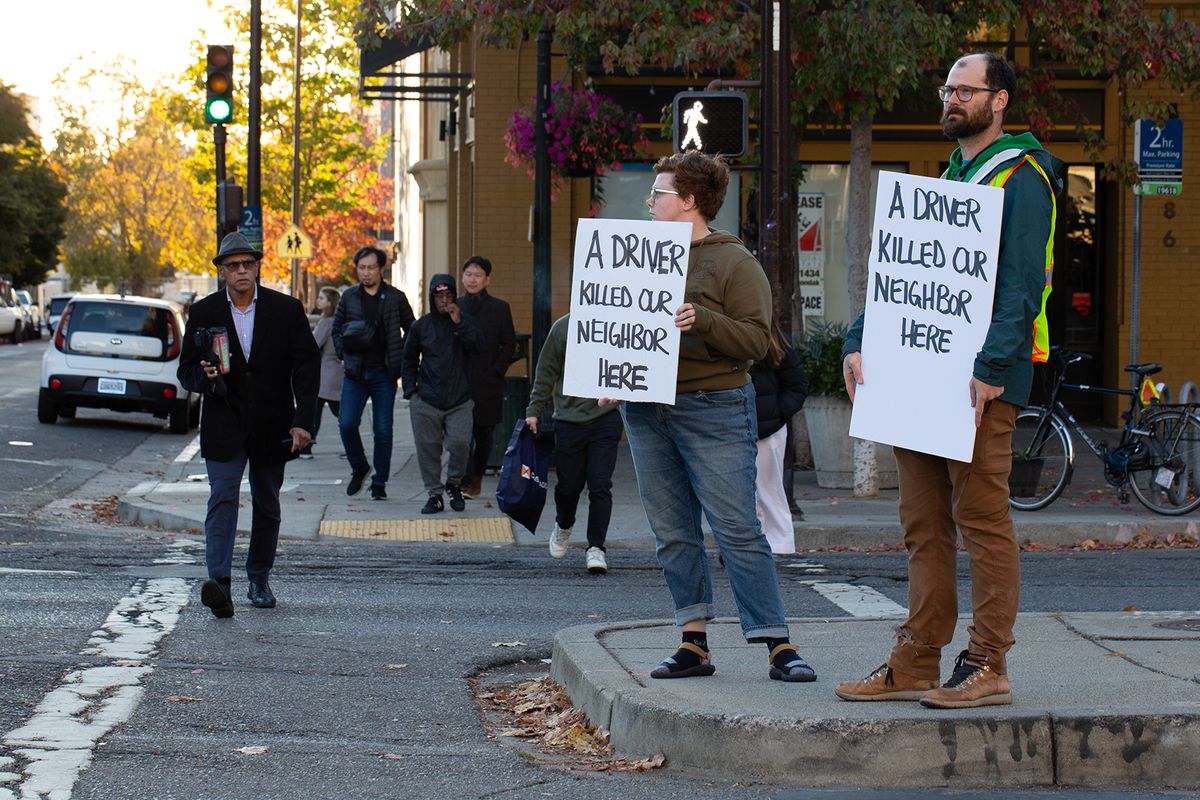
(521, 492)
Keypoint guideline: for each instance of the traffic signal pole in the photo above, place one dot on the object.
(541, 199)
(219, 150)
(254, 108)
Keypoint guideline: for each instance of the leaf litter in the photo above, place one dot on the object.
(539, 714)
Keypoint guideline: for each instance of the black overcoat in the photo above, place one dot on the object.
(485, 370)
(267, 396)
(778, 393)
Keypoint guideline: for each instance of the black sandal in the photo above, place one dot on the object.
(703, 669)
(795, 671)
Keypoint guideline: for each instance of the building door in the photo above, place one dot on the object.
(1076, 305)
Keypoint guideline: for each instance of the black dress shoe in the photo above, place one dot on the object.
(215, 595)
(356, 481)
(260, 595)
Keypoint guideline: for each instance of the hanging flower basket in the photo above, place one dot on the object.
(587, 134)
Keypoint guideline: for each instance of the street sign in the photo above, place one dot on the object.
(251, 226)
(1158, 153)
(294, 243)
(714, 123)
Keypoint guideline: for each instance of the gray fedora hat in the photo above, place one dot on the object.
(235, 244)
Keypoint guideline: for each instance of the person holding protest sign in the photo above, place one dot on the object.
(780, 388)
(939, 495)
(586, 435)
(698, 454)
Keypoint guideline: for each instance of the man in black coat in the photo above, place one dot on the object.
(249, 351)
(485, 369)
(372, 367)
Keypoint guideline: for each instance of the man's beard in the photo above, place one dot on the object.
(969, 124)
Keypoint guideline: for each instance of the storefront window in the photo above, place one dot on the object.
(823, 277)
(624, 195)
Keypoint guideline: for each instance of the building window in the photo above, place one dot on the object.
(623, 196)
(822, 200)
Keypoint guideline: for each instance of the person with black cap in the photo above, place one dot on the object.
(434, 380)
(249, 352)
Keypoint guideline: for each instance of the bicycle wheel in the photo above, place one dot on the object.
(1166, 479)
(1042, 457)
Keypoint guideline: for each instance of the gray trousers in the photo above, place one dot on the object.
(433, 427)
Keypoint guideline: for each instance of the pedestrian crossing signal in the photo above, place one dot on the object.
(715, 123)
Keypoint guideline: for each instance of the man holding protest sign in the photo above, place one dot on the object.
(939, 494)
(699, 454)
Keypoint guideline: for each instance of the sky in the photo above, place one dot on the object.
(43, 37)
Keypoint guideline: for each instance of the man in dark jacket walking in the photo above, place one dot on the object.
(260, 401)
(940, 497)
(435, 381)
(485, 369)
(368, 334)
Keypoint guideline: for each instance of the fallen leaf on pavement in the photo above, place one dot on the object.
(255, 750)
(1131, 608)
(508, 644)
(1114, 653)
(183, 698)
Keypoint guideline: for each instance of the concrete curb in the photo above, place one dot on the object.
(896, 745)
(135, 509)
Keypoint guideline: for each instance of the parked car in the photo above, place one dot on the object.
(54, 310)
(33, 315)
(119, 353)
(12, 320)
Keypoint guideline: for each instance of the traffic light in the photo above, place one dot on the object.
(218, 83)
(714, 123)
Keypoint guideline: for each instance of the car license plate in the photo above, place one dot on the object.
(111, 386)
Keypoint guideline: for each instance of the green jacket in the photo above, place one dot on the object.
(1006, 357)
(548, 380)
(729, 290)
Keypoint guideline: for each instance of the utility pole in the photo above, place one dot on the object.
(541, 199)
(299, 284)
(253, 211)
(777, 217)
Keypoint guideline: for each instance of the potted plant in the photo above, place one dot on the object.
(586, 134)
(827, 411)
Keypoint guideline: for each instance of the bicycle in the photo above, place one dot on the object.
(1157, 455)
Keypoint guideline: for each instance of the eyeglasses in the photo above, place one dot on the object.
(965, 93)
(655, 192)
(246, 264)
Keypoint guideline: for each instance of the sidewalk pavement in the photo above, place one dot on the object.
(1102, 700)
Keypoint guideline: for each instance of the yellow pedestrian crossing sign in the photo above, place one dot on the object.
(294, 243)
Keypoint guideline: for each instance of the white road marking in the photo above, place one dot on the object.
(45, 755)
(810, 567)
(858, 601)
(18, 571)
(189, 451)
(21, 444)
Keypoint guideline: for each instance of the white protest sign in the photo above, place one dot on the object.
(930, 285)
(627, 282)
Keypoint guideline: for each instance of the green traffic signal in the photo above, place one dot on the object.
(218, 84)
(218, 111)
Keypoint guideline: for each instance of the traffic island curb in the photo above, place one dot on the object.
(740, 723)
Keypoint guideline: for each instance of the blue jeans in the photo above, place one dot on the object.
(698, 455)
(220, 524)
(381, 390)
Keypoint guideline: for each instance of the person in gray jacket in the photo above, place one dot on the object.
(435, 380)
(331, 367)
(371, 369)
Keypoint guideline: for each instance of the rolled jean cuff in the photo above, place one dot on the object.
(700, 612)
(764, 632)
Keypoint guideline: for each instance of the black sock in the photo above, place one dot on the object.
(685, 659)
(783, 656)
(698, 638)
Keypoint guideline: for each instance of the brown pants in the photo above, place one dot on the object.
(936, 495)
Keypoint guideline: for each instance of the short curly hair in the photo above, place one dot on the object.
(702, 177)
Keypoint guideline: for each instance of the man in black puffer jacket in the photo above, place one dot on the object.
(435, 380)
(371, 370)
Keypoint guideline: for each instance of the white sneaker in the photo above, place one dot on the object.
(596, 563)
(558, 541)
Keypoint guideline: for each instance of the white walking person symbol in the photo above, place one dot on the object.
(693, 118)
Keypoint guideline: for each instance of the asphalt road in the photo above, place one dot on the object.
(318, 681)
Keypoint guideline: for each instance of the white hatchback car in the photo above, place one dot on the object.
(119, 353)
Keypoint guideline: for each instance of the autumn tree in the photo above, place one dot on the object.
(135, 215)
(341, 146)
(32, 198)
